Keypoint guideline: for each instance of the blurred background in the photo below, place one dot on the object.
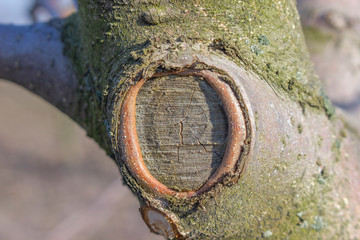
(55, 183)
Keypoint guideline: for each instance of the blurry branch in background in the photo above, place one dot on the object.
(51, 9)
(32, 56)
(332, 31)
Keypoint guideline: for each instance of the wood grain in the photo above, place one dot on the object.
(182, 130)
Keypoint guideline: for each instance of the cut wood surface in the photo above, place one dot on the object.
(182, 130)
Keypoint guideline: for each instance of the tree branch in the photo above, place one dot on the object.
(295, 165)
(332, 31)
(32, 56)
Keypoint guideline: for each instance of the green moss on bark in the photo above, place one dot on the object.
(90, 115)
(110, 29)
(110, 41)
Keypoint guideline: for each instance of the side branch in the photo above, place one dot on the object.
(32, 56)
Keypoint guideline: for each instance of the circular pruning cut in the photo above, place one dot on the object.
(160, 223)
(129, 146)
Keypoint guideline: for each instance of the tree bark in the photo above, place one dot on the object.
(215, 117)
(32, 56)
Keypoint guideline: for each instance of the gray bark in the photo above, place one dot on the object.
(296, 166)
(32, 56)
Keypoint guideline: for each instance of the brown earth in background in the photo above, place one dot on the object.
(55, 183)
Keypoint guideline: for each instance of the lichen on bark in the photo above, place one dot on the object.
(118, 42)
(113, 30)
(113, 38)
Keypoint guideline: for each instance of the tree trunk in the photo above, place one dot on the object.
(215, 117)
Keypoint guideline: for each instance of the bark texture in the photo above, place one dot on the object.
(297, 168)
(32, 56)
(288, 188)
